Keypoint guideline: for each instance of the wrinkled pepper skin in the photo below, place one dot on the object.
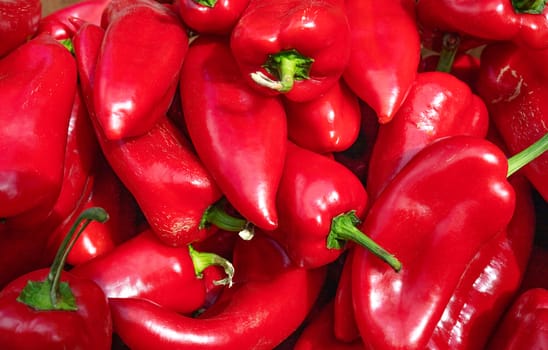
(19, 23)
(211, 16)
(438, 105)
(239, 134)
(126, 101)
(317, 30)
(328, 123)
(512, 82)
(384, 54)
(491, 280)
(145, 268)
(90, 327)
(37, 85)
(490, 20)
(446, 203)
(525, 324)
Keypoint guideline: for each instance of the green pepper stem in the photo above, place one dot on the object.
(521, 159)
(534, 7)
(451, 42)
(207, 3)
(216, 215)
(203, 260)
(343, 229)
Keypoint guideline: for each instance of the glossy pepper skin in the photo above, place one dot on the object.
(188, 190)
(145, 268)
(211, 16)
(37, 85)
(492, 20)
(239, 134)
(524, 326)
(328, 123)
(491, 280)
(250, 315)
(126, 101)
(384, 54)
(319, 202)
(446, 203)
(438, 105)
(512, 83)
(19, 23)
(304, 44)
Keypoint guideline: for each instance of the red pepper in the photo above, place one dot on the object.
(61, 23)
(446, 203)
(143, 267)
(19, 23)
(211, 16)
(299, 48)
(344, 323)
(438, 105)
(126, 101)
(37, 85)
(524, 326)
(53, 309)
(320, 202)
(385, 53)
(537, 268)
(490, 281)
(328, 123)
(513, 84)
(238, 133)
(256, 314)
(465, 66)
(524, 22)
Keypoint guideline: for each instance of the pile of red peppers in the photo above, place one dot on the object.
(274, 174)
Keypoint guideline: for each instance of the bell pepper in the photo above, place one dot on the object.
(53, 309)
(524, 324)
(61, 23)
(144, 267)
(449, 200)
(250, 315)
(320, 202)
(238, 133)
(211, 16)
(491, 280)
(512, 82)
(328, 123)
(438, 105)
(298, 48)
(384, 53)
(19, 23)
(37, 85)
(126, 102)
(524, 22)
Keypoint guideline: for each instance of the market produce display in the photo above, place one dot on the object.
(274, 174)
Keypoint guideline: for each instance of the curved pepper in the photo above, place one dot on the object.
(320, 202)
(384, 55)
(211, 16)
(145, 268)
(37, 85)
(127, 101)
(256, 314)
(53, 309)
(238, 133)
(19, 23)
(328, 123)
(513, 84)
(524, 22)
(438, 105)
(446, 203)
(524, 326)
(296, 47)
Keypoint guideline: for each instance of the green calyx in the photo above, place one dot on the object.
(207, 3)
(526, 156)
(203, 260)
(52, 294)
(68, 44)
(534, 7)
(287, 66)
(343, 229)
(216, 215)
